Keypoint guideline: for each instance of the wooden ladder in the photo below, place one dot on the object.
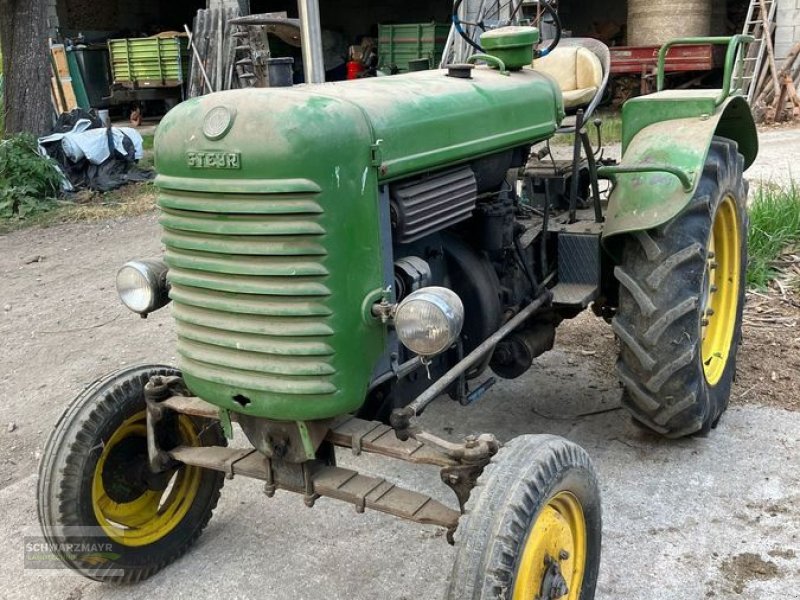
(759, 23)
(247, 39)
(251, 43)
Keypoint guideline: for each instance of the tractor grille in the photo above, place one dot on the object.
(249, 290)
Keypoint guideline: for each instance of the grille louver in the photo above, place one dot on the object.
(249, 289)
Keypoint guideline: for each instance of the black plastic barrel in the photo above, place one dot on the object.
(280, 71)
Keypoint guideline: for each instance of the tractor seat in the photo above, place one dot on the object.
(578, 72)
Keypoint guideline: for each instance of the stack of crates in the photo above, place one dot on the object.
(149, 62)
(399, 44)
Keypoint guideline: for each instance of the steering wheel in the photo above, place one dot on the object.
(538, 53)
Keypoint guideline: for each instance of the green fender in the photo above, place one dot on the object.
(665, 140)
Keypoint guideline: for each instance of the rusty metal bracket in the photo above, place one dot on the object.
(269, 479)
(156, 391)
(461, 479)
(191, 405)
(309, 492)
(461, 463)
(357, 438)
(474, 449)
(376, 438)
(315, 479)
(233, 459)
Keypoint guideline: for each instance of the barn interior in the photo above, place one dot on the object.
(353, 18)
(643, 24)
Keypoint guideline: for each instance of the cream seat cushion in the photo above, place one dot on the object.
(577, 70)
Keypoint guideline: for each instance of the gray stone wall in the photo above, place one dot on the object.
(242, 5)
(52, 17)
(787, 27)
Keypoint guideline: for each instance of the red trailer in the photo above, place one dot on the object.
(641, 60)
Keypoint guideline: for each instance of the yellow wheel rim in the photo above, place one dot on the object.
(129, 513)
(559, 534)
(721, 301)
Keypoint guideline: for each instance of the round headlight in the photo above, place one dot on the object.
(142, 285)
(429, 320)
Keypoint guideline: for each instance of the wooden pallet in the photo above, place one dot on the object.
(63, 94)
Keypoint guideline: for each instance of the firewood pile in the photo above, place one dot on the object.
(623, 87)
(776, 99)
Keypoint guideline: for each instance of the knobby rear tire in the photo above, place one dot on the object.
(658, 323)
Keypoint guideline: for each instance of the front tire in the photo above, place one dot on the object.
(95, 490)
(681, 297)
(532, 525)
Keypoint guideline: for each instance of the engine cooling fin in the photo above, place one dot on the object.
(431, 203)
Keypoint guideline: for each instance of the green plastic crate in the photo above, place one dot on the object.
(149, 62)
(399, 44)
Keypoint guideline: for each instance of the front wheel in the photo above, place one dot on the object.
(680, 304)
(532, 526)
(101, 509)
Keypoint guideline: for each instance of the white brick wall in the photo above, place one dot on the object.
(787, 26)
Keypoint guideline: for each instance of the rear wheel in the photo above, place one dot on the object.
(680, 304)
(532, 526)
(96, 491)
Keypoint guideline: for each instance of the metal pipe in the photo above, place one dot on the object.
(587, 146)
(576, 163)
(197, 58)
(426, 397)
(311, 41)
(447, 48)
(402, 370)
(545, 227)
(220, 76)
(730, 59)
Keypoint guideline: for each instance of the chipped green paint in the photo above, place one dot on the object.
(672, 129)
(271, 262)
(665, 140)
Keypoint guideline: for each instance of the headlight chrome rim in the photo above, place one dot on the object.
(429, 320)
(150, 292)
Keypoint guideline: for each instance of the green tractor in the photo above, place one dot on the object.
(339, 255)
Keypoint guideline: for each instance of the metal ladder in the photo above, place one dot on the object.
(758, 25)
(252, 44)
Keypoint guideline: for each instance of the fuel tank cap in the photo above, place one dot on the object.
(513, 45)
(460, 70)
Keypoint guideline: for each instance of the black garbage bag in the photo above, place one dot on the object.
(67, 121)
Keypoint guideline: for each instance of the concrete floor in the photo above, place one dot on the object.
(778, 151)
(680, 518)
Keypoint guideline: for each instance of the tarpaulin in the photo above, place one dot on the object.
(93, 156)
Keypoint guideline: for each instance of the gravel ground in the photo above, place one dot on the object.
(778, 150)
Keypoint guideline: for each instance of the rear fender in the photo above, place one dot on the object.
(663, 161)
